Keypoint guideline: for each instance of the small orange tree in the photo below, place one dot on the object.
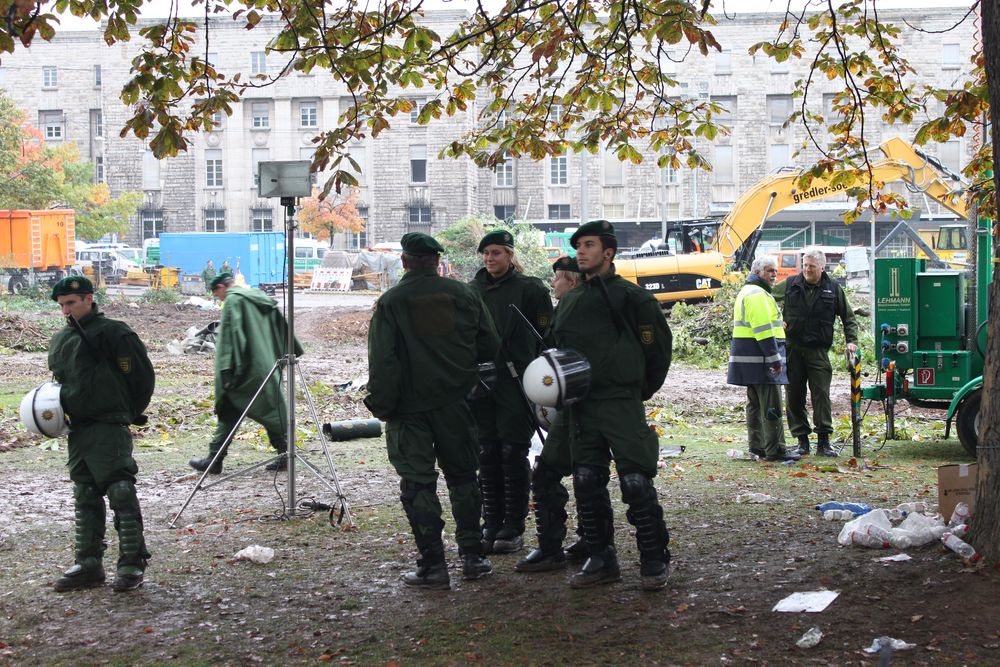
(325, 217)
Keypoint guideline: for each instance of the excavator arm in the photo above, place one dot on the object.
(900, 162)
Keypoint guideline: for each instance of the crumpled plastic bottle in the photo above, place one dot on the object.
(740, 455)
(960, 515)
(810, 638)
(909, 508)
(960, 546)
(755, 498)
(838, 515)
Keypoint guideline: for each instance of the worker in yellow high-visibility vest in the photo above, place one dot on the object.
(757, 361)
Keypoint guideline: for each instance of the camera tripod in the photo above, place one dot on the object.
(341, 507)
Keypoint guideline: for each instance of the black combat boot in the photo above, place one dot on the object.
(474, 564)
(590, 485)
(131, 543)
(823, 447)
(429, 575)
(651, 536)
(803, 445)
(516, 489)
(201, 465)
(600, 568)
(90, 515)
(550, 521)
(280, 463)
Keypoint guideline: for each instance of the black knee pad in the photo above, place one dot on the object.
(87, 494)
(543, 475)
(454, 481)
(589, 480)
(121, 495)
(512, 452)
(637, 488)
(408, 489)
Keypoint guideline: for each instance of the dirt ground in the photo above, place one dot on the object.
(332, 594)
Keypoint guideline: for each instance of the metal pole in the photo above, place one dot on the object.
(289, 367)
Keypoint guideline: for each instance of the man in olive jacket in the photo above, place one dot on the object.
(426, 337)
(812, 302)
(107, 381)
(505, 423)
(620, 329)
(252, 334)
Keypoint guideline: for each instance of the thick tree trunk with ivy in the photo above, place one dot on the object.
(985, 534)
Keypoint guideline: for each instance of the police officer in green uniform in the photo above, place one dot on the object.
(551, 466)
(811, 303)
(251, 335)
(107, 381)
(426, 337)
(757, 361)
(620, 329)
(208, 274)
(505, 424)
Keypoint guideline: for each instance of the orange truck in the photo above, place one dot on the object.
(36, 247)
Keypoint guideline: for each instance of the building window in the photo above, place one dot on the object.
(258, 62)
(308, 116)
(258, 155)
(614, 169)
(669, 175)
(97, 122)
(840, 234)
(667, 63)
(727, 110)
(950, 153)
(724, 62)
(505, 212)
(216, 120)
(97, 76)
(50, 76)
(152, 223)
(215, 219)
(150, 171)
(213, 168)
(420, 216)
(779, 155)
(951, 56)
(558, 170)
(358, 154)
(359, 240)
(505, 173)
(722, 165)
(556, 112)
(614, 211)
(307, 153)
(261, 220)
(260, 116)
(99, 169)
(52, 125)
(418, 164)
(779, 108)
(830, 114)
(415, 111)
(559, 212)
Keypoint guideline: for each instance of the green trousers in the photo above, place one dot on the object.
(446, 438)
(765, 428)
(613, 427)
(809, 368)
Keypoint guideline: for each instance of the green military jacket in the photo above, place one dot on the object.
(106, 377)
(518, 343)
(626, 362)
(810, 317)
(251, 335)
(426, 337)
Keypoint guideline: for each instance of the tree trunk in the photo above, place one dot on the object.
(985, 529)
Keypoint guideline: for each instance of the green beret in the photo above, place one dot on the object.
(418, 243)
(497, 237)
(72, 285)
(594, 228)
(219, 279)
(565, 263)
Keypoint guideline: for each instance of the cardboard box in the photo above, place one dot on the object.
(956, 484)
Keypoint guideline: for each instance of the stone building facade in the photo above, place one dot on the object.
(404, 187)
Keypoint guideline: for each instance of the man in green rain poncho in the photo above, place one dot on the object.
(251, 335)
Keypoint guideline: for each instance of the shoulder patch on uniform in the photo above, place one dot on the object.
(125, 364)
(646, 334)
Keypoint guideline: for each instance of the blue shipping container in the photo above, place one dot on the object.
(259, 256)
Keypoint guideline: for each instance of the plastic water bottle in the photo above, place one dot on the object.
(960, 515)
(838, 515)
(961, 547)
(871, 536)
(740, 455)
(754, 498)
(857, 508)
(909, 508)
(893, 514)
(960, 530)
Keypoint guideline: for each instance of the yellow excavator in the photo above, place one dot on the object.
(697, 270)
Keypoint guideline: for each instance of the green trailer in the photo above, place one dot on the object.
(931, 329)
